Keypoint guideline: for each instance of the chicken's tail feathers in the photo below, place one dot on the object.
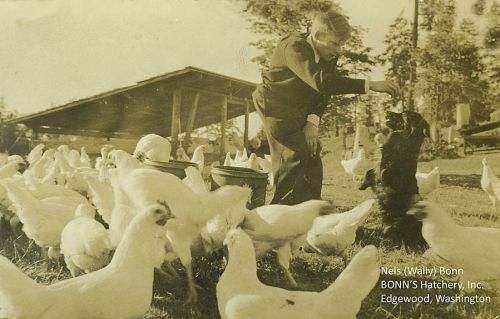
(17, 194)
(358, 278)
(359, 213)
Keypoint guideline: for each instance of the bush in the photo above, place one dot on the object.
(431, 151)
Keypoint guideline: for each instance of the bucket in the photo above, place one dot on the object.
(228, 175)
(173, 167)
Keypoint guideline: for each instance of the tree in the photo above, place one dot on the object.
(12, 137)
(398, 53)
(273, 19)
(490, 53)
(450, 66)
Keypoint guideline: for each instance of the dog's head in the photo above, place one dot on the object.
(414, 123)
(394, 121)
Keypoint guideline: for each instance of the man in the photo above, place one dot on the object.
(291, 100)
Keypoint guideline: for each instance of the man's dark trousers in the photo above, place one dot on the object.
(298, 177)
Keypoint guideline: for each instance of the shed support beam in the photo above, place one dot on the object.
(176, 118)
(34, 136)
(93, 133)
(223, 127)
(245, 132)
(191, 118)
(231, 99)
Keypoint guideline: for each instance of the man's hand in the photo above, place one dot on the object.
(311, 134)
(386, 87)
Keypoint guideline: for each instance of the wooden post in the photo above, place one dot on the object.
(191, 118)
(176, 116)
(34, 137)
(223, 127)
(245, 134)
(413, 63)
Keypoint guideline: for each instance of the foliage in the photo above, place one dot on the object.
(479, 7)
(491, 44)
(431, 151)
(276, 18)
(398, 54)
(427, 12)
(12, 137)
(450, 66)
(493, 32)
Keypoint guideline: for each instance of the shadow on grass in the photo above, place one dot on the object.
(469, 181)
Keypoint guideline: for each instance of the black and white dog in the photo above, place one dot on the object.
(394, 182)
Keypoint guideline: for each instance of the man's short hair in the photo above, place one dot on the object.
(332, 21)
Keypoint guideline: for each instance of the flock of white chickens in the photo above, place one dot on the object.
(154, 217)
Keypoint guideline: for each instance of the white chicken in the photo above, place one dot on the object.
(35, 154)
(73, 158)
(476, 250)
(199, 157)
(333, 234)
(59, 170)
(244, 155)
(102, 196)
(216, 228)
(191, 210)
(41, 190)
(85, 243)
(228, 161)
(249, 298)
(100, 162)
(491, 185)
(427, 182)
(276, 227)
(122, 160)
(380, 139)
(121, 217)
(122, 289)
(252, 163)
(266, 166)
(355, 166)
(84, 158)
(15, 158)
(238, 158)
(63, 159)
(11, 168)
(153, 147)
(43, 221)
(40, 167)
(77, 180)
(194, 180)
(243, 160)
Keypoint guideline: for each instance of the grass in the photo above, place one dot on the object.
(460, 194)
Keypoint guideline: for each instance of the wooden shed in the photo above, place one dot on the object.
(167, 105)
